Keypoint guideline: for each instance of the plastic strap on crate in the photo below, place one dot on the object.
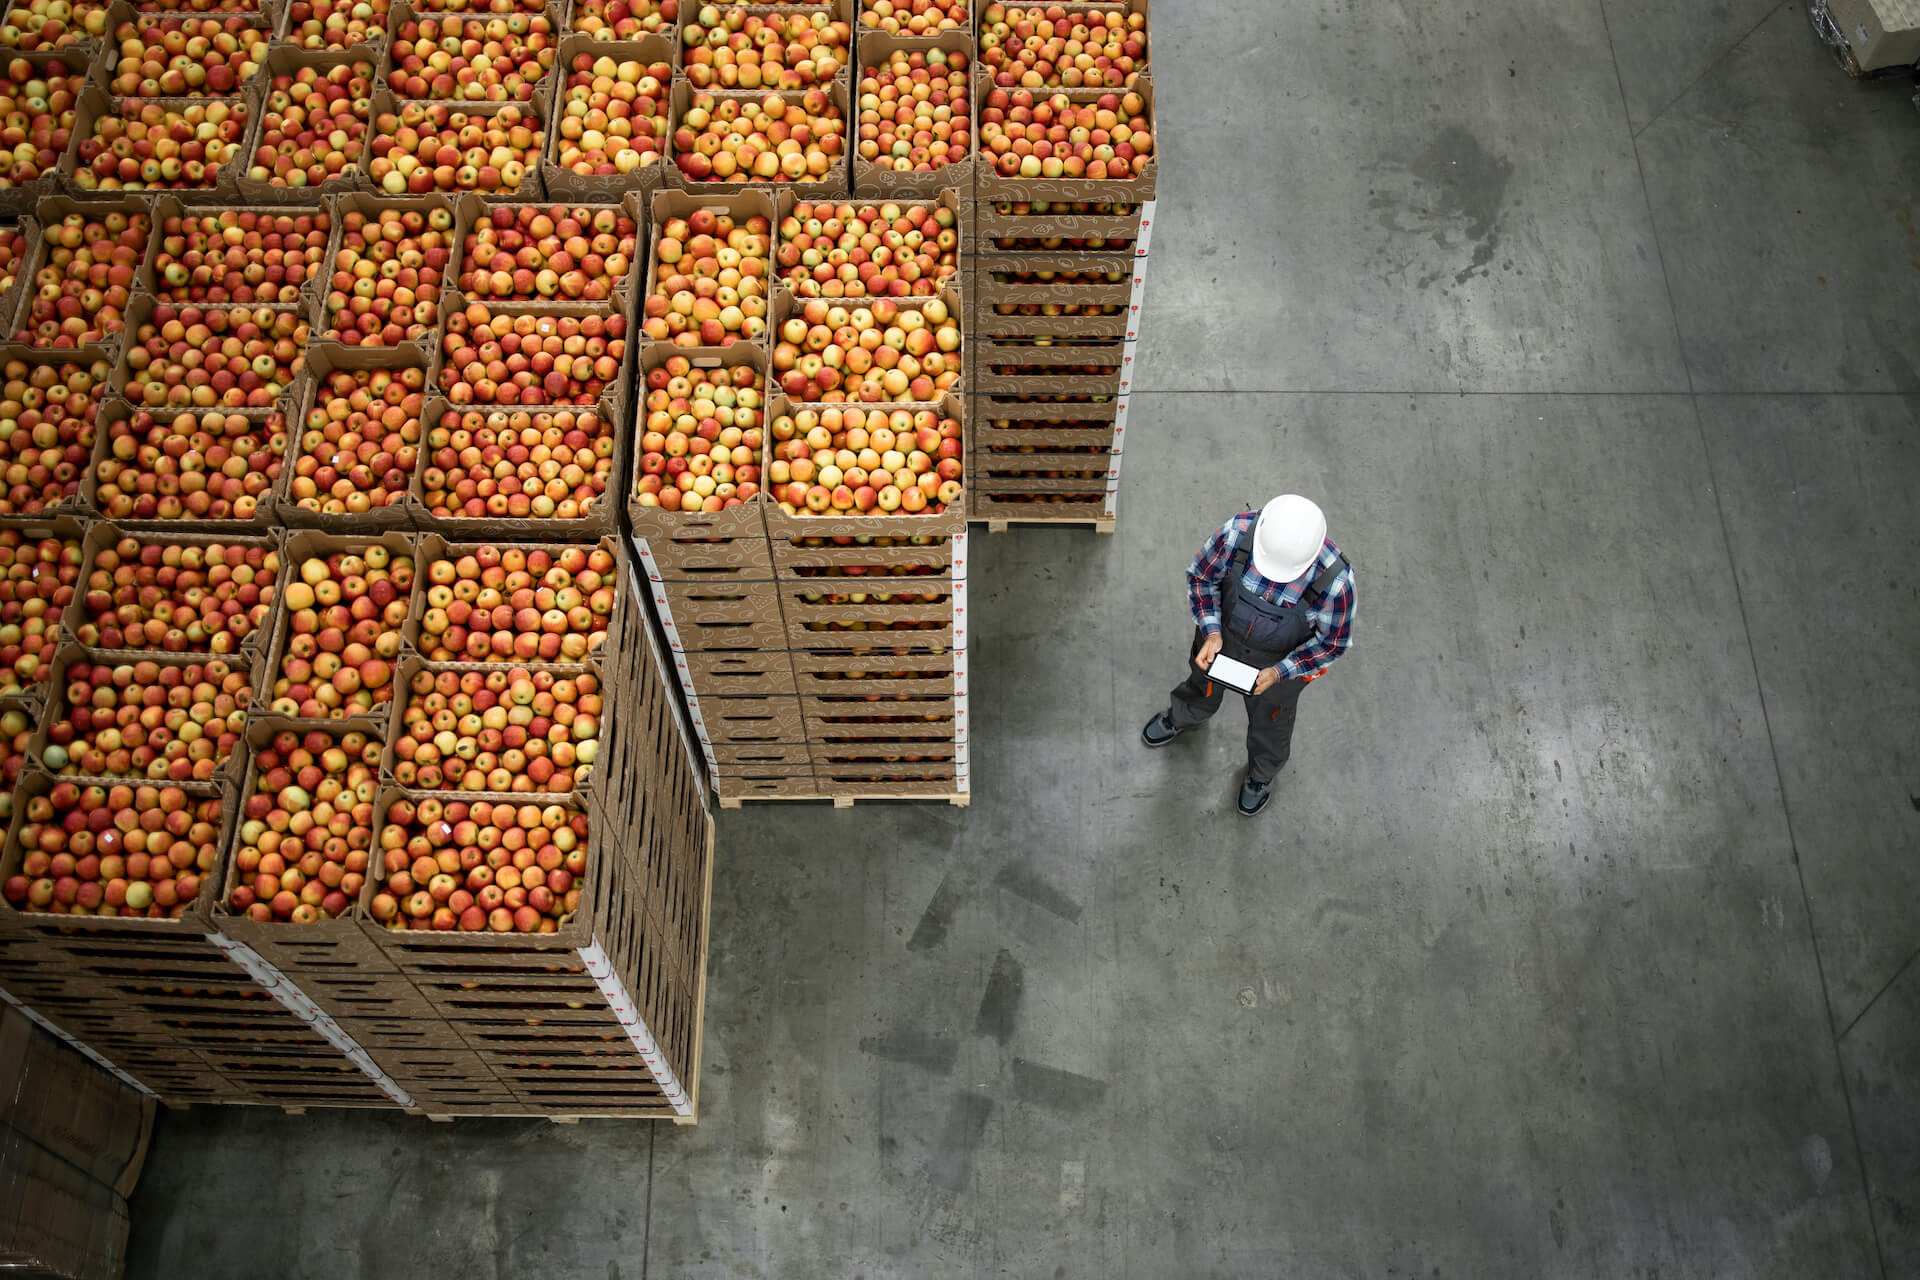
(595, 958)
(56, 1032)
(296, 1002)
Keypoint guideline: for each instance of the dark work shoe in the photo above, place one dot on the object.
(1254, 796)
(1159, 731)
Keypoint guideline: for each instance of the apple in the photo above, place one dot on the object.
(169, 57)
(385, 287)
(549, 464)
(883, 351)
(12, 249)
(37, 102)
(1052, 46)
(858, 251)
(613, 115)
(732, 47)
(306, 827)
(915, 17)
(314, 125)
(140, 146)
(38, 578)
(336, 24)
(492, 603)
(239, 255)
(515, 730)
(150, 593)
(461, 58)
(47, 414)
(438, 146)
(189, 466)
(166, 722)
(81, 291)
(215, 357)
(624, 19)
(795, 137)
(699, 446)
(16, 731)
(361, 441)
(344, 616)
(709, 281)
(548, 253)
(508, 358)
(512, 868)
(119, 850)
(1058, 137)
(913, 112)
(852, 460)
(39, 25)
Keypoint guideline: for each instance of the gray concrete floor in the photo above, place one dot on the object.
(1579, 940)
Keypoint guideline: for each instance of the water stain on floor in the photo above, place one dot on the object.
(1451, 191)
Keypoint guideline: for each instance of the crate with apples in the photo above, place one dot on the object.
(708, 281)
(550, 256)
(1046, 144)
(470, 58)
(184, 56)
(41, 575)
(699, 430)
(385, 271)
(788, 140)
(628, 20)
(869, 350)
(77, 27)
(866, 470)
(82, 271)
(914, 116)
(524, 473)
(190, 145)
(356, 443)
(611, 118)
(176, 593)
(253, 255)
(50, 409)
(40, 93)
(756, 47)
(339, 621)
(873, 248)
(1049, 366)
(486, 148)
(505, 602)
(1064, 46)
(144, 717)
(1064, 226)
(316, 108)
(188, 470)
(232, 358)
(322, 25)
(915, 17)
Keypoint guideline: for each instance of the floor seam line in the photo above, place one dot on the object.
(1867, 1008)
(1709, 69)
(646, 1229)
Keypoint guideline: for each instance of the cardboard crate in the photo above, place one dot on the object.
(55, 711)
(401, 510)
(31, 696)
(220, 184)
(286, 60)
(69, 1108)
(1044, 410)
(732, 722)
(1044, 472)
(701, 617)
(598, 519)
(140, 312)
(765, 785)
(51, 211)
(92, 361)
(990, 187)
(403, 12)
(54, 1220)
(988, 322)
(928, 720)
(20, 199)
(958, 202)
(1032, 434)
(147, 21)
(875, 181)
(993, 271)
(613, 395)
(855, 673)
(735, 756)
(433, 549)
(1004, 225)
(302, 545)
(736, 675)
(1100, 370)
(812, 559)
(117, 415)
(667, 205)
(168, 207)
(1081, 506)
(1880, 34)
(808, 619)
(743, 519)
(438, 206)
(787, 307)
(390, 112)
(470, 209)
(833, 185)
(104, 535)
(564, 184)
(874, 524)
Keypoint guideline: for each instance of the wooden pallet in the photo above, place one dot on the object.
(959, 799)
(998, 524)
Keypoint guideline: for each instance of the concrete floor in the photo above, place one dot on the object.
(1579, 940)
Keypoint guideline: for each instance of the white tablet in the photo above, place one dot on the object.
(1233, 674)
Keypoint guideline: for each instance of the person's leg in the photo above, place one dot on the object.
(1270, 728)
(1197, 697)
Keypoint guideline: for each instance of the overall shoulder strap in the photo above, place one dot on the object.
(1323, 585)
(1242, 552)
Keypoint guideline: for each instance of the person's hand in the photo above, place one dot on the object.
(1209, 650)
(1268, 677)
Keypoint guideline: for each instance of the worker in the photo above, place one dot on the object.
(1270, 591)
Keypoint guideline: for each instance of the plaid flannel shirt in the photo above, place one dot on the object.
(1332, 620)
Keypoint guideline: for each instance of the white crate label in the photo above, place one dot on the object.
(645, 553)
(636, 1028)
(1145, 238)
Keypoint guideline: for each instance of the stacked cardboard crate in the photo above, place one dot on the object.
(1058, 279)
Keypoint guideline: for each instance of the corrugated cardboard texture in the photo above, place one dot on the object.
(54, 1221)
(1881, 33)
(53, 1096)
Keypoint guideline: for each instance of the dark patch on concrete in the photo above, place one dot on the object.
(1054, 1088)
(915, 1048)
(937, 918)
(1452, 191)
(1022, 881)
(950, 1167)
(1000, 1006)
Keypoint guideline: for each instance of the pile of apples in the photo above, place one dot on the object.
(1056, 137)
(38, 105)
(882, 351)
(511, 359)
(436, 146)
(856, 461)
(16, 731)
(314, 126)
(238, 255)
(12, 243)
(502, 604)
(480, 866)
(46, 431)
(118, 850)
(387, 275)
(1063, 208)
(165, 722)
(700, 438)
(913, 112)
(624, 19)
(710, 281)
(361, 441)
(198, 598)
(461, 58)
(306, 831)
(345, 612)
(729, 47)
(37, 582)
(152, 146)
(512, 731)
(186, 57)
(795, 138)
(81, 291)
(848, 251)
(36, 26)
(551, 464)
(215, 358)
(336, 24)
(915, 17)
(613, 115)
(548, 253)
(192, 466)
(1033, 47)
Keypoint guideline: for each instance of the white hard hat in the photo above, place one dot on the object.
(1288, 538)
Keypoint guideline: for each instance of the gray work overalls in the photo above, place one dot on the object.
(1258, 632)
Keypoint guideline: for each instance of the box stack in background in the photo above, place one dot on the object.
(1058, 279)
